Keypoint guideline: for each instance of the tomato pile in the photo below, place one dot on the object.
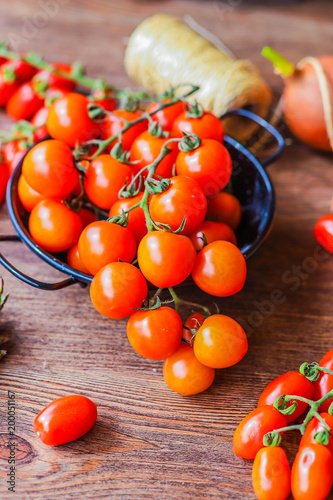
(258, 436)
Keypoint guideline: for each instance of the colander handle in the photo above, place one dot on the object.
(31, 281)
(264, 124)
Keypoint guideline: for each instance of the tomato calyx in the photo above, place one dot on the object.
(122, 220)
(311, 371)
(118, 153)
(155, 129)
(157, 186)
(96, 112)
(132, 189)
(194, 110)
(189, 142)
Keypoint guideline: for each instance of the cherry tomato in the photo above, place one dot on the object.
(166, 116)
(311, 473)
(117, 289)
(325, 382)
(24, 102)
(271, 474)
(3, 181)
(166, 259)
(212, 231)
(73, 259)
(52, 94)
(53, 226)
(114, 123)
(155, 334)
(12, 74)
(104, 179)
(105, 99)
(136, 217)
(208, 126)
(184, 374)
(28, 196)
(13, 152)
(3, 60)
(220, 269)
(193, 322)
(54, 80)
(65, 420)
(288, 383)
(323, 232)
(87, 217)
(103, 242)
(146, 148)
(249, 435)
(315, 426)
(220, 342)
(225, 207)
(39, 120)
(210, 165)
(49, 169)
(68, 120)
(183, 198)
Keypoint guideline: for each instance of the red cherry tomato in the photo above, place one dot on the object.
(225, 207)
(104, 179)
(166, 116)
(114, 123)
(3, 181)
(65, 420)
(311, 473)
(52, 94)
(68, 120)
(117, 289)
(220, 342)
(220, 269)
(166, 259)
(249, 435)
(193, 322)
(73, 259)
(24, 102)
(184, 374)
(28, 196)
(39, 120)
(13, 152)
(212, 231)
(155, 334)
(53, 226)
(49, 169)
(12, 74)
(54, 80)
(208, 126)
(323, 232)
(103, 242)
(136, 217)
(325, 382)
(146, 148)
(293, 383)
(183, 198)
(271, 476)
(87, 217)
(210, 165)
(315, 426)
(105, 99)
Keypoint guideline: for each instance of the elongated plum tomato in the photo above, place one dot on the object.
(12, 74)
(193, 322)
(74, 260)
(220, 342)
(315, 426)
(207, 126)
(166, 259)
(271, 474)
(212, 231)
(65, 420)
(184, 374)
(136, 217)
(27, 196)
(104, 179)
(325, 382)
(147, 147)
(249, 435)
(166, 116)
(184, 198)
(24, 102)
(53, 226)
(38, 121)
(117, 289)
(3, 181)
(225, 207)
(103, 242)
(323, 232)
(54, 80)
(209, 164)
(311, 473)
(68, 120)
(49, 169)
(288, 383)
(155, 334)
(112, 124)
(220, 269)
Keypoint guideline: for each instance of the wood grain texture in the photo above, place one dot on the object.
(149, 442)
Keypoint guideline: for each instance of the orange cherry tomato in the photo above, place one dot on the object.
(315, 426)
(193, 322)
(65, 420)
(53, 226)
(212, 231)
(3, 181)
(53, 79)
(104, 179)
(225, 207)
(166, 116)
(117, 289)
(184, 374)
(74, 260)
(184, 198)
(28, 196)
(39, 120)
(208, 126)
(220, 342)
(166, 259)
(325, 382)
(155, 334)
(311, 473)
(220, 269)
(271, 476)
(323, 232)
(114, 123)
(146, 148)
(249, 435)
(136, 217)
(24, 102)
(103, 242)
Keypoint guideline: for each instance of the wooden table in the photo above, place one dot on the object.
(148, 441)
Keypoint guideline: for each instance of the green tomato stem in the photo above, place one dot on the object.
(282, 65)
(178, 301)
